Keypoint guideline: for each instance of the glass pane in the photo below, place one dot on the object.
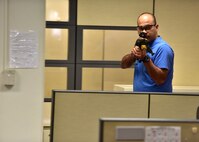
(92, 79)
(106, 79)
(111, 12)
(114, 77)
(56, 44)
(107, 44)
(93, 44)
(55, 78)
(57, 10)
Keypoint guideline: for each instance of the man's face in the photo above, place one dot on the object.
(146, 24)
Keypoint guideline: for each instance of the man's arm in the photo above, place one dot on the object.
(127, 61)
(157, 74)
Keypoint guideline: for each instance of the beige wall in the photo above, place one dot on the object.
(111, 12)
(179, 26)
(21, 104)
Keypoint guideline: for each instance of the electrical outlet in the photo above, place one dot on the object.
(9, 77)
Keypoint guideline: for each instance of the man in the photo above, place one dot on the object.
(152, 72)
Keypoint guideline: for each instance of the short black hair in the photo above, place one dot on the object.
(154, 18)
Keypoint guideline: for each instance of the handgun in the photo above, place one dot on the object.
(143, 43)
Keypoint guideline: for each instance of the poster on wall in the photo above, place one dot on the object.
(23, 49)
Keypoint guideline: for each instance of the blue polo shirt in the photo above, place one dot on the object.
(163, 58)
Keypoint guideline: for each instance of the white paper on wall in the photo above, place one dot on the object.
(23, 49)
(162, 134)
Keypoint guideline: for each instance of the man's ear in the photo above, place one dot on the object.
(157, 26)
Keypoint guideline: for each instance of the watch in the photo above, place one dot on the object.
(146, 59)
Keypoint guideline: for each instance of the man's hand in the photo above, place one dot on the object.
(138, 53)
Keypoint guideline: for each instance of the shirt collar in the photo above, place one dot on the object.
(155, 41)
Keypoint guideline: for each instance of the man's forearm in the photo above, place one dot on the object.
(127, 61)
(157, 74)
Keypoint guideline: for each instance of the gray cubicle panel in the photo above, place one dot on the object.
(175, 106)
(136, 130)
(75, 115)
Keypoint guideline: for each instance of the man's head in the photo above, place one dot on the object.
(146, 22)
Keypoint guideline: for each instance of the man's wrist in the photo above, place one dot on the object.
(146, 59)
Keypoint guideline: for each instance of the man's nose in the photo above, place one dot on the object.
(144, 30)
(143, 34)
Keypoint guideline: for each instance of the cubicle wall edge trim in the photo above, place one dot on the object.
(52, 115)
(101, 125)
(162, 120)
(129, 92)
(149, 105)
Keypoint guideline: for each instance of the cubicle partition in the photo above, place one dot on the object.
(76, 114)
(175, 106)
(148, 130)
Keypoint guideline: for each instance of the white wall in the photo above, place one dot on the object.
(21, 105)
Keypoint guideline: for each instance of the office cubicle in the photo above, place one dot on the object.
(148, 130)
(75, 114)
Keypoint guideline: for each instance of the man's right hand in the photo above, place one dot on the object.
(138, 53)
